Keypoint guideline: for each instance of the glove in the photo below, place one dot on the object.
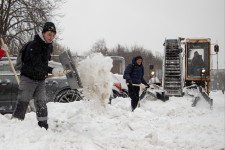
(130, 86)
(147, 86)
(130, 82)
(57, 73)
(5, 47)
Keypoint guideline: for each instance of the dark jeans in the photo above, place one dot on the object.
(30, 89)
(134, 95)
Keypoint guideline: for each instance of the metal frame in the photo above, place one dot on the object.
(208, 79)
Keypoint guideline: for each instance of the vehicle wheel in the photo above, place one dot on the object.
(125, 94)
(116, 94)
(67, 96)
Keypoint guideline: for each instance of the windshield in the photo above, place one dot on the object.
(197, 59)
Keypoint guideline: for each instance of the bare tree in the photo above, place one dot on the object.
(100, 47)
(129, 54)
(22, 19)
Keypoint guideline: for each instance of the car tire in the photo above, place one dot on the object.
(125, 94)
(68, 95)
(116, 94)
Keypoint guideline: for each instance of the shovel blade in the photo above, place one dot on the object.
(73, 77)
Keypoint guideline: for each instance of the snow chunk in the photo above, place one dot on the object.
(96, 77)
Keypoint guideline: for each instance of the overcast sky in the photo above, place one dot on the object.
(141, 22)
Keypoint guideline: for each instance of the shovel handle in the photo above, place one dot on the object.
(138, 85)
(10, 62)
(64, 72)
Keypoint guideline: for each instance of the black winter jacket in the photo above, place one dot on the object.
(35, 64)
(134, 72)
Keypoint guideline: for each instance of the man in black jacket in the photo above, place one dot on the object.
(33, 73)
(197, 64)
(134, 75)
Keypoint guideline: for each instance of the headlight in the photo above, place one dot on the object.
(152, 73)
(203, 70)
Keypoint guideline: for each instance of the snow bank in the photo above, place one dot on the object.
(156, 125)
(96, 78)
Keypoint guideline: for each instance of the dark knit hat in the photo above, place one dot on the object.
(138, 57)
(49, 26)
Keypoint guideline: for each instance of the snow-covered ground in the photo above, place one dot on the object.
(157, 125)
(95, 125)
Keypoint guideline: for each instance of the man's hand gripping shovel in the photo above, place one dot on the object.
(64, 72)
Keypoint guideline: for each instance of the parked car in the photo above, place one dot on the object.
(119, 88)
(57, 88)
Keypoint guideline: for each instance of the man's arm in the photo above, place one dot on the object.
(127, 72)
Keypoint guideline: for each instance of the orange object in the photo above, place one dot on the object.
(118, 85)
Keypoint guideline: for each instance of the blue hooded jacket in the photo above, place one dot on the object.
(137, 74)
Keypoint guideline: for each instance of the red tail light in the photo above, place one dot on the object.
(118, 85)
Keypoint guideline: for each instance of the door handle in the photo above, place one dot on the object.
(54, 82)
(6, 82)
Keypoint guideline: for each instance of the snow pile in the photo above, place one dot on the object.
(156, 125)
(96, 77)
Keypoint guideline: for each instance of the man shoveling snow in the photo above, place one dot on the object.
(134, 74)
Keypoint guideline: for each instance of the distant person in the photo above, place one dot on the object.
(34, 71)
(134, 75)
(197, 64)
(154, 79)
(222, 88)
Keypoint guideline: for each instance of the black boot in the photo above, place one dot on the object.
(43, 124)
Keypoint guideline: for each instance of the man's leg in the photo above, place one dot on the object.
(134, 95)
(25, 94)
(131, 94)
(40, 101)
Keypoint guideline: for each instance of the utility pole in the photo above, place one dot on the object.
(216, 49)
(217, 72)
(216, 79)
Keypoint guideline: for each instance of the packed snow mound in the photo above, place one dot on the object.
(96, 77)
(156, 125)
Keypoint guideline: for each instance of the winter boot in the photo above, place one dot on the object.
(20, 110)
(43, 124)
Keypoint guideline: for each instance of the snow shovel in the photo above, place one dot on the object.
(142, 94)
(13, 69)
(68, 64)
